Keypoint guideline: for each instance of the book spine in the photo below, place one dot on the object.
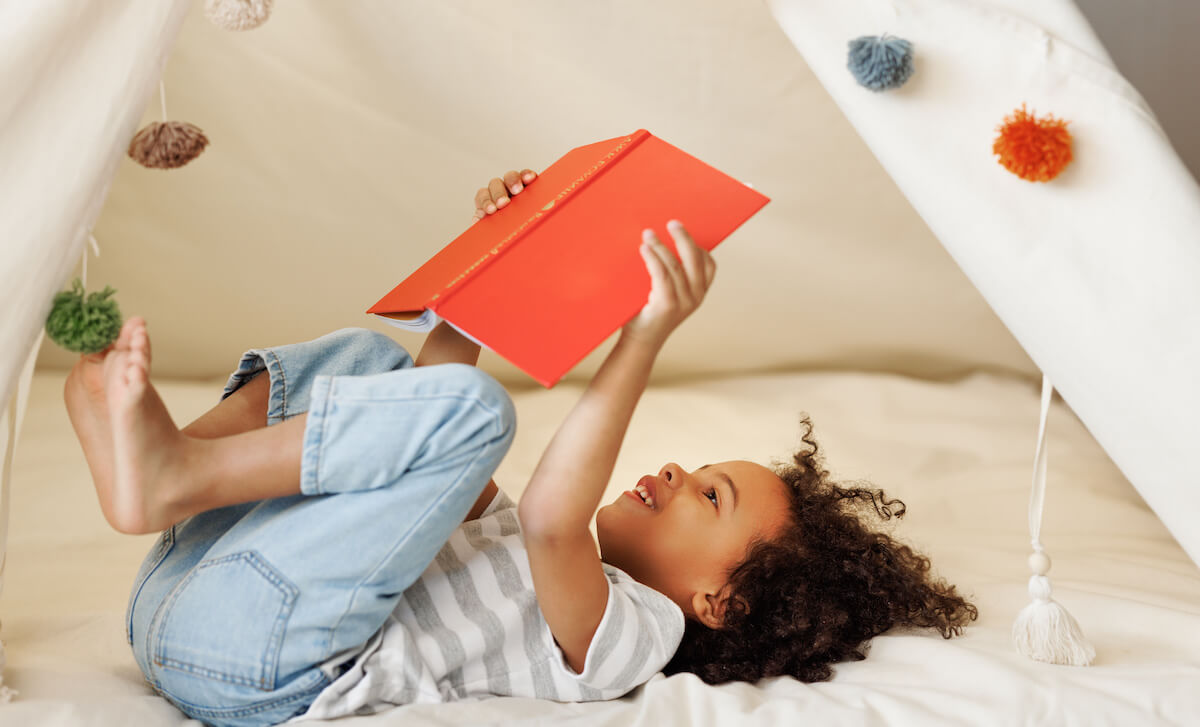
(624, 145)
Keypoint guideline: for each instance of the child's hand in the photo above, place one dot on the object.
(490, 199)
(677, 285)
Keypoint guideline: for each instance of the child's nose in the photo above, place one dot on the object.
(673, 474)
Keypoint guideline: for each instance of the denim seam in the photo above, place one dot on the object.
(400, 545)
(276, 366)
(193, 710)
(315, 427)
(289, 592)
(165, 544)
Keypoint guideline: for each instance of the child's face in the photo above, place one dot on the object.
(698, 526)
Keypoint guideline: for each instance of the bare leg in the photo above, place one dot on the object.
(241, 411)
(159, 475)
(87, 407)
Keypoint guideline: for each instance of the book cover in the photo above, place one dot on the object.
(545, 280)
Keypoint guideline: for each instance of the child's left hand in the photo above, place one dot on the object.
(677, 285)
(491, 199)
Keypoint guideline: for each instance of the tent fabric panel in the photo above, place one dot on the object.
(1094, 273)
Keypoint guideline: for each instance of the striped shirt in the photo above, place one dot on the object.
(470, 627)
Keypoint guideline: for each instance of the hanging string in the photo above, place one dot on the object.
(162, 96)
(6, 694)
(16, 406)
(1037, 496)
(1045, 630)
(95, 251)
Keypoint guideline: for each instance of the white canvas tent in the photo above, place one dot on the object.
(1094, 273)
(347, 140)
(76, 76)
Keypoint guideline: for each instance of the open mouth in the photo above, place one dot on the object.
(644, 491)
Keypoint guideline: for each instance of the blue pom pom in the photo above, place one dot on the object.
(880, 62)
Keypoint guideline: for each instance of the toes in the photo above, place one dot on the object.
(135, 377)
(127, 330)
(139, 359)
(140, 349)
(122, 341)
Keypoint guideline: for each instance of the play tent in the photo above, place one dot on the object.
(347, 140)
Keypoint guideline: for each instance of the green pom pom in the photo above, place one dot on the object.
(84, 325)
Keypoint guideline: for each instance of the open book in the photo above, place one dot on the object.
(545, 280)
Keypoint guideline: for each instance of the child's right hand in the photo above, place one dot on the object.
(495, 196)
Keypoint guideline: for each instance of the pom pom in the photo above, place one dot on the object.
(1045, 631)
(1034, 149)
(238, 14)
(167, 144)
(880, 62)
(84, 325)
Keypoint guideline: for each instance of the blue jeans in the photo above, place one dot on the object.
(234, 609)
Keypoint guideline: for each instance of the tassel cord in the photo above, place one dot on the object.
(1044, 630)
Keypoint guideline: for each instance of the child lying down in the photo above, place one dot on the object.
(332, 542)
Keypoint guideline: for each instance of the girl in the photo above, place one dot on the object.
(332, 543)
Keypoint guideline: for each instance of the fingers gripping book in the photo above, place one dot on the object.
(548, 278)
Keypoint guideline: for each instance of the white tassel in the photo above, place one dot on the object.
(1044, 630)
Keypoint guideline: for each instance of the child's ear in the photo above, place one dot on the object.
(710, 607)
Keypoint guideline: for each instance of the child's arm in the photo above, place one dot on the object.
(570, 479)
(444, 344)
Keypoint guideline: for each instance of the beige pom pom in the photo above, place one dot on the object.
(238, 14)
(167, 144)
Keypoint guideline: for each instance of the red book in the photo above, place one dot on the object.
(545, 280)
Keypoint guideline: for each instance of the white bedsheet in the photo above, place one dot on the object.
(958, 453)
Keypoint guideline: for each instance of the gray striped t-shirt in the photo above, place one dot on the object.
(470, 627)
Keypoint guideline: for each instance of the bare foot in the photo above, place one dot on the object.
(148, 450)
(88, 410)
(87, 407)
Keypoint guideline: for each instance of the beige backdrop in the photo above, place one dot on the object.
(349, 138)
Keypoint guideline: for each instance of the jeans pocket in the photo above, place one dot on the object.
(225, 621)
(151, 562)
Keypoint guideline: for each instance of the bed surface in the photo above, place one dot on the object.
(958, 453)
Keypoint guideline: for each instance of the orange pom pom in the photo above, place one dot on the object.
(1033, 149)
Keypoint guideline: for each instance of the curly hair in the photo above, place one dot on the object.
(817, 593)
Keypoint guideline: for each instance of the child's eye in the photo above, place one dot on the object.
(711, 494)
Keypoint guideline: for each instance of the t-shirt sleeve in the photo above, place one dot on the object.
(500, 502)
(638, 635)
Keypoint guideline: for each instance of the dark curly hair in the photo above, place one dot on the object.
(815, 594)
